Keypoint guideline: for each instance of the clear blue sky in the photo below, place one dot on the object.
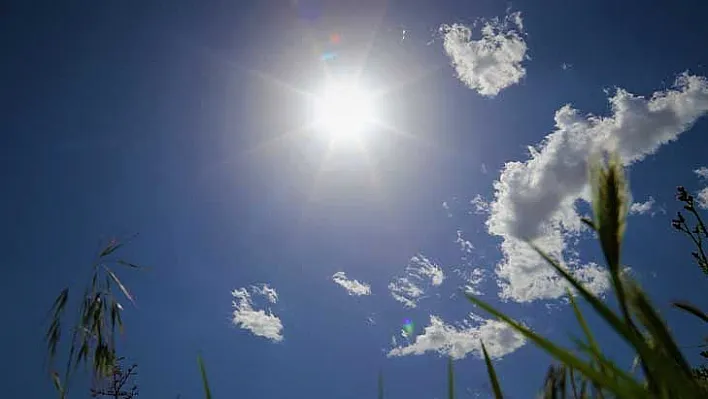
(170, 119)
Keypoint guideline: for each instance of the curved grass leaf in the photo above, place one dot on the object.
(205, 382)
(381, 386)
(120, 285)
(692, 309)
(492, 373)
(450, 380)
(633, 389)
(629, 334)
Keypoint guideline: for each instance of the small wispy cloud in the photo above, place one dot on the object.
(266, 291)
(473, 279)
(481, 206)
(446, 207)
(405, 291)
(642, 208)
(464, 339)
(259, 322)
(702, 195)
(494, 61)
(421, 267)
(353, 287)
(465, 245)
(421, 273)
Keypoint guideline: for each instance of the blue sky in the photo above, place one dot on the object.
(189, 123)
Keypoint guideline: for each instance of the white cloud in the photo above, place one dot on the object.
(421, 273)
(405, 291)
(535, 199)
(459, 341)
(473, 280)
(702, 195)
(641, 208)
(492, 62)
(702, 198)
(419, 266)
(259, 322)
(266, 291)
(481, 206)
(446, 207)
(353, 287)
(465, 246)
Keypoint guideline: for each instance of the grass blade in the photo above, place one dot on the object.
(492, 373)
(627, 332)
(57, 384)
(564, 356)
(450, 380)
(130, 265)
(120, 285)
(205, 382)
(381, 385)
(692, 309)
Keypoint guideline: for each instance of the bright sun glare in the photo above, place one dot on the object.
(344, 112)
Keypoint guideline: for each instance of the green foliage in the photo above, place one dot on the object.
(696, 230)
(586, 371)
(205, 382)
(92, 341)
(492, 373)
(450, 380)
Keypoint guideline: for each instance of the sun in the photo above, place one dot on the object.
(344, 112)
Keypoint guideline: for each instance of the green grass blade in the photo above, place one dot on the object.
(450, 380)
(57, 385)
(692, 309)
(120, 285)
(633, 389)
(583, 324)
(205, 382)
(492, 373)
(606, 365)
(381, 385)
(620, 326)
(110, 248)
(657, 328)
(130, 265)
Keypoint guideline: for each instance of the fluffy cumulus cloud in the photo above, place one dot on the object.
(421, 273)
(492, 62)
(702, 195)
(462, 340)
(259, 322)
(642, 208)
(535, 199)
(353, 287)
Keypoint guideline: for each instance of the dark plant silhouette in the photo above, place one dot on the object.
(118, 384)
(93, 332)
(695, 229)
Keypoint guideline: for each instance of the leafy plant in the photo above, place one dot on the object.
(696, 230)
(92, 341)
(116, 385)
(586, 371)
(697, 233)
